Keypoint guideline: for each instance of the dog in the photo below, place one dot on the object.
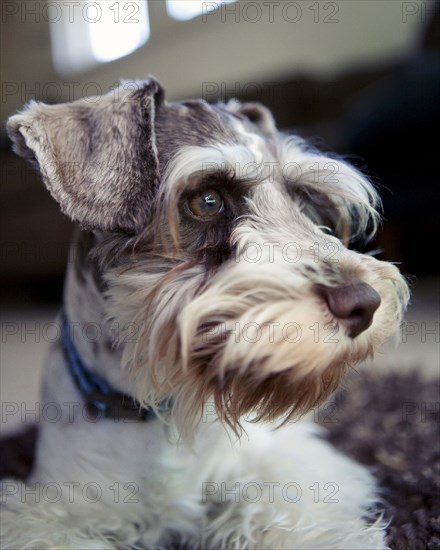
(211, 300)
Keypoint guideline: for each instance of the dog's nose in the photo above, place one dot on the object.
(355, 304)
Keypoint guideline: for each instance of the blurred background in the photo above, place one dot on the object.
(360, 78)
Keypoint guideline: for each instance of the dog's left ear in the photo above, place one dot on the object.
(257, 113)
(97, 156)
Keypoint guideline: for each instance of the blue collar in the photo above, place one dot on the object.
(101, 400)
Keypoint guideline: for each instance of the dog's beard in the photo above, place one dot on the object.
(256, 338)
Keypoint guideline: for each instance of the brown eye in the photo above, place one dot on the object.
(206, 204)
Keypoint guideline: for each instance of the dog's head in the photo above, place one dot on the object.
(223, 240)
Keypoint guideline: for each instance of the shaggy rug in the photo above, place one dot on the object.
(388, 422)
(391, 423)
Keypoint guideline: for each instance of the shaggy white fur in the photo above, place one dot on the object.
(286, 488)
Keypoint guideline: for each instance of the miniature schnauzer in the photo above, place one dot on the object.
(210, 301)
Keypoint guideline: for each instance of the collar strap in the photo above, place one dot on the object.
(100, 398)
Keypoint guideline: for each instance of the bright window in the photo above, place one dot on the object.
(122, 29)
(86, 33)
(188, 9)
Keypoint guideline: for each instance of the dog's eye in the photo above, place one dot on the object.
(207, 204)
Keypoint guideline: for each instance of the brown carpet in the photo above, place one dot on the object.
(389, 422)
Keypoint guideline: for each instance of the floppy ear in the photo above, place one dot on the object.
(97, 156)
(257, 113)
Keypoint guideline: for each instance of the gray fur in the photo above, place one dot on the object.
(97, 158)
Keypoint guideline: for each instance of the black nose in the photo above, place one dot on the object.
(355, 304)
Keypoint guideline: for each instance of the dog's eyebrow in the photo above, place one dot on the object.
(195, 165)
